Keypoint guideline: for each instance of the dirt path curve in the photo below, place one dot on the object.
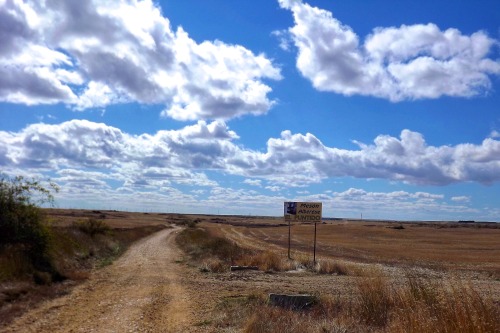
(140, 292)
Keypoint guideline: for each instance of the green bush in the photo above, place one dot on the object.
(22, 222)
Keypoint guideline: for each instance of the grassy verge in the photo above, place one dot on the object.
(421, 305)
(214, 254)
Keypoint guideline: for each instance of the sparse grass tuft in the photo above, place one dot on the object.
(303, 260)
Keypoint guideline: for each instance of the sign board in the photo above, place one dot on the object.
(303, 211)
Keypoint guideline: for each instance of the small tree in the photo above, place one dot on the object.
(21, 220)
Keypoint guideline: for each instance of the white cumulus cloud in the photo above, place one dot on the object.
(89, 54)
(397, 63)
(184, 155)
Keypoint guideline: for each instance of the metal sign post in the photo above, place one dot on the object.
(289, 232)
(314, 256)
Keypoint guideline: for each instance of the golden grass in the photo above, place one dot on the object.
(213, 265)
(417, 304)
(215, 254)
(424, 305)
(373, 303)
(421, 306)
(326, 266)
(441, 246)
(268, 261)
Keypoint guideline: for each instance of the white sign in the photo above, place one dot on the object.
(303, 211)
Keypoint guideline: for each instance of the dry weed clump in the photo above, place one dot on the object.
(268, 261)
(213, 265)
(303, 261)
(272, 319)
(374, 301)
(232, 311)
(331, 267)
(267, 319)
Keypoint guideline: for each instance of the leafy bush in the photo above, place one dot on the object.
(22, 222)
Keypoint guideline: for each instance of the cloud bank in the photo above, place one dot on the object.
(396, 63)
(91, 54)
(184, 155)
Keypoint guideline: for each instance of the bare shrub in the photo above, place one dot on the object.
(214, 265)
(93, 227)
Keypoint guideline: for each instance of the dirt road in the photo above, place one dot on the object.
(140, 292)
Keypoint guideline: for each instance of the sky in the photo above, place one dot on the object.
(385, 109)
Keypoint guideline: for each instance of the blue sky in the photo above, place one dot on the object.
(390, 109)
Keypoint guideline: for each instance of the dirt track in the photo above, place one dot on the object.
(141, 292)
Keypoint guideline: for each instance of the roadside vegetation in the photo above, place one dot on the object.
(217, 254)
(419, 303)
(211, 254)
(35, 255)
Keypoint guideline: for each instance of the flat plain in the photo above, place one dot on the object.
(204, 300)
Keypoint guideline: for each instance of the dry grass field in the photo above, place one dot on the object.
(443, 245)
(370, 276)
(114, 219)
